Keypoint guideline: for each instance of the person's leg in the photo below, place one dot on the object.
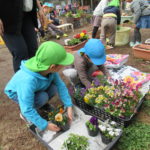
(30, 35)
(133, 38)
(53, 33)
(112, 31)
(51, 91)
(56, 29)
(41, 98)
(17, 47)
(96, 25)
(103, 31)
(137, 35)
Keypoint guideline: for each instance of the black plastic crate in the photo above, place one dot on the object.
(103, 115)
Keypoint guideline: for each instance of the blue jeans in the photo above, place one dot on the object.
(42, 97)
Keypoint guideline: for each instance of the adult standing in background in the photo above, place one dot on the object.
(18, 28)
(98, 13)
(141, 19)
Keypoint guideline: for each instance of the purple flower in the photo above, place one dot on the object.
(94, 121)
(96, 82)
(83, 91)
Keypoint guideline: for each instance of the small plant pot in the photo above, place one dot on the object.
(105, 140)
(70, 20)
(92, 133)
(65, 127)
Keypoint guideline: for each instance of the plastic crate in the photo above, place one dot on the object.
(33, 129)
(102, 115)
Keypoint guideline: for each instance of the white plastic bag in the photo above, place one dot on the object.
(27, 5)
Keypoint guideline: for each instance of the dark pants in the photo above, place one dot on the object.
(137, 35)
(22, 46)
(94, 32)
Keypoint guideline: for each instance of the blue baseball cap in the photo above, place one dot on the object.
(48, 4)
(95, 50)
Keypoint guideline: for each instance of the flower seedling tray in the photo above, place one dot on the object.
(102, 115)
(54, 141)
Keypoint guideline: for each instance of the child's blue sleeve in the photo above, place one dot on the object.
(26, 93)
(62, 90)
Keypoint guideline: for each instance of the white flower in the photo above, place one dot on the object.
(116, 133)
(102, 128)
(111, 133)
(118, 130)
(109, 129)
(113, 123)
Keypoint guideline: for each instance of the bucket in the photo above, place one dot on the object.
(122, 36)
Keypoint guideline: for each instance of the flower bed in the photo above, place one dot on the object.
(118, 102)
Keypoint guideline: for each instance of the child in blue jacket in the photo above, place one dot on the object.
(37, 81)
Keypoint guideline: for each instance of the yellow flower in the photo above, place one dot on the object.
(86, 100)
(58, 117)
(82, 34)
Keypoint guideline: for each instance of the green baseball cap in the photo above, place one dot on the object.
(47, 54)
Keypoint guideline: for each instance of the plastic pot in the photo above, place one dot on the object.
(65, 127)
(105, 139)
(142, 51)
(92, 133)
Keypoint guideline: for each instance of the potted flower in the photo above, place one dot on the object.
(142, 51)
(77, 42)
(92, 126)
(108, 131)
(77, 142)
(59, 118)
(69, 17)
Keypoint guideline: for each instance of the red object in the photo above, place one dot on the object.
(84, 31)
(96, 73)
(77, 36)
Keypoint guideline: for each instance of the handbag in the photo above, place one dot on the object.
(27, 5)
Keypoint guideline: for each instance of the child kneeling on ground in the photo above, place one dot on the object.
(88, 60)
(37, 81)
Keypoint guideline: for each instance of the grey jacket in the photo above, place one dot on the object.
(140, 8)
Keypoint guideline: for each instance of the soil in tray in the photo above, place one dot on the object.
(143, 46)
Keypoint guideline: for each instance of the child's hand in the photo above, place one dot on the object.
(69, 112)
(53, 127)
